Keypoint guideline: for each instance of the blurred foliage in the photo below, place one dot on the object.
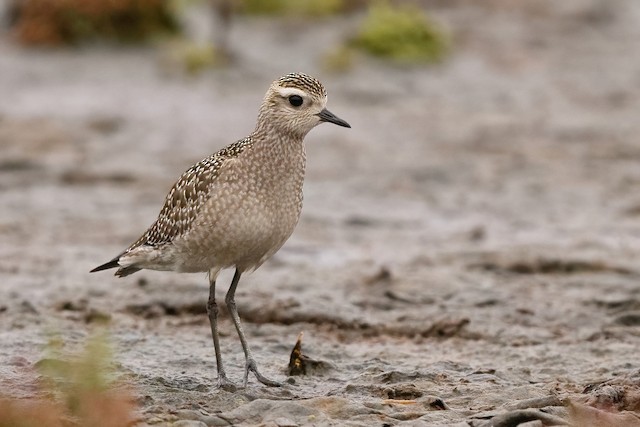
(31, 413)
(197, 58)
(339, 60)
(79, 389)
(402, 33)
(193, 58)
(55, 22)
(309, 8)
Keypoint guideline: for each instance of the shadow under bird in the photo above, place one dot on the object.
(237, 207)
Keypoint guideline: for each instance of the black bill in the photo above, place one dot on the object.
(327, 116)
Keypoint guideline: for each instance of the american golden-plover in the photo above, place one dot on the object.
(237, 207)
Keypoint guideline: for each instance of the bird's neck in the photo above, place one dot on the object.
(267, 132)
(282, 154)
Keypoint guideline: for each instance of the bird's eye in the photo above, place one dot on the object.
(295, 100)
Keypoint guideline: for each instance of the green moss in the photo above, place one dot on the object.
(308, 8)
(401, 33)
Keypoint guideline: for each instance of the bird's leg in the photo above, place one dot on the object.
(212, 310)
(250, 363)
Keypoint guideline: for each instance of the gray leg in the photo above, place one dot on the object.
(250, 363)
(212, 310)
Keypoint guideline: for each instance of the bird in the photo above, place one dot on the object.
(238, 206)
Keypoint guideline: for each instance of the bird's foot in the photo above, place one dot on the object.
(251, 366)
(225, 384)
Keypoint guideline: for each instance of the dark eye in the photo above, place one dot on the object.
(295, 100)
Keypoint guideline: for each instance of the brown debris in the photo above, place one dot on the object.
(296, 360)
(301, 364)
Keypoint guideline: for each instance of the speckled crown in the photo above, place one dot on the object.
(304, 82)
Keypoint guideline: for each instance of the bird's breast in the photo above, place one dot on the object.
(252, 210)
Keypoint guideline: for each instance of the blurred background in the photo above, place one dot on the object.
(480, 216)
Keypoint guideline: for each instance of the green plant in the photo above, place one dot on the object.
(81, 391)
(192, 58)
(309, 8)
(52, 22)
(401, 33)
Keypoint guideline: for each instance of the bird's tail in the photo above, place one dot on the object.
(122, 271)
(107, 265)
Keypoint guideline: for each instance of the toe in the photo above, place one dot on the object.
(225, 384)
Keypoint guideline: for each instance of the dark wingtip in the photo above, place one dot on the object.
(111, 264)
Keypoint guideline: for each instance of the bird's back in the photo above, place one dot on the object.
(235, 207)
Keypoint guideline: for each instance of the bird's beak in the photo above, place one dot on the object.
(327, 116)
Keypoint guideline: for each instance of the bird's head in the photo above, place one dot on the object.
(295, 104)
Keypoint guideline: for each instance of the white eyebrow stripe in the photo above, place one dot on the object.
(286, 92)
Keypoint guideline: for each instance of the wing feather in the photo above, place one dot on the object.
(187, 196)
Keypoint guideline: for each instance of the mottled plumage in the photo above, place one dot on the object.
(237, 207)
(188, 195)
(304, 82)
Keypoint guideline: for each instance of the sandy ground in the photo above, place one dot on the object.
(471, 244)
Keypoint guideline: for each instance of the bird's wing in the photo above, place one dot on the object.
(187, 196)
